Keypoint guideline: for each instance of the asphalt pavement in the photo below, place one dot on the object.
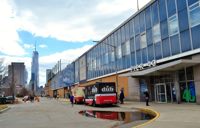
(51, 113)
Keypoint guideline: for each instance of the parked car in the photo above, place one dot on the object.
(10, 99)
(2, 100)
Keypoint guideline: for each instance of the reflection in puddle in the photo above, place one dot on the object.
(125, 117)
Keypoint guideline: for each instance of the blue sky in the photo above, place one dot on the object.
(62, 29)
(46, 45)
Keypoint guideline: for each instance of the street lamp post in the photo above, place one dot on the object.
(115, 56)
(137, 5)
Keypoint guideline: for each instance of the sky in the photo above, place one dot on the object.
(61, 29)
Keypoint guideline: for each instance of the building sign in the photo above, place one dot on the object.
(94, 89)
(107, 89)
(143, 66)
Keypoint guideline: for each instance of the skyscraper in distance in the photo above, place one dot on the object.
(34, 82)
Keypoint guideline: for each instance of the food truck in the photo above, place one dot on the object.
(101, 93)
(79, 95)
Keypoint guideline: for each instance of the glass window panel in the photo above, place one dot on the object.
(148, 17)
(154, 13)
(124, 62)
(181, 4)
(190, 2)
(142, 22)
(127, 34)
(175, 47)
(144, 55)
(106, 59)
(143, 41)
(181, 74)
(166, 47)
(150, 53)
(133, 59)
(171, 7)
(123, 34)
(196, 37)
(183, 20)
(112, 56)
(119, 37)
(173, 25)
(137, 42)
(189, 73)
(162, 9)
(138, 55)
(128, 60)
(123, 49)
(132, 45)
(137, 25)
(115, 38)
(185, 41)
(127, 48)
(119, 52)
(131, 28)
(194, 12)
(156, 33)
(158, 52)
(164, 29)
(149, 36)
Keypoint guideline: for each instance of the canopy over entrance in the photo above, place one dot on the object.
(167, 67)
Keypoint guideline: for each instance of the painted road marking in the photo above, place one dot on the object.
(150, 121)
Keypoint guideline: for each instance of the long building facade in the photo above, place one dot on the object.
(157, 48)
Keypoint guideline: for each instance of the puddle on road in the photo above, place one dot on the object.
(124, 117)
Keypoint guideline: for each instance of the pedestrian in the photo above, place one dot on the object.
(57, 97)
(72, 100)
(121, 96)
(146, 93)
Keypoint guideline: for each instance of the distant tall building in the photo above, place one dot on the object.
(34, 82)
(17, 76)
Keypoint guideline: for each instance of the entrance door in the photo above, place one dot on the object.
(160, 93)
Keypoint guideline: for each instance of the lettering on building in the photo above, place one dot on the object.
(143, 66)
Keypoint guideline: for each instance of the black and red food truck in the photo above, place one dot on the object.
(101, 93)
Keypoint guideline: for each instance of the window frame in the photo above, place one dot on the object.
(171, 19)
(192, 8)
(154, 31)
(143, 44)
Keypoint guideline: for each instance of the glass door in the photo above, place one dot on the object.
(160, 93)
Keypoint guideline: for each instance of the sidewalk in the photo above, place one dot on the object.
(171, 115)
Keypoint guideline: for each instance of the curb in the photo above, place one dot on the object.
(4, 110)
(151, 112)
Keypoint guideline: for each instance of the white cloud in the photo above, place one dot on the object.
(68, 55)
(28, 46)
(10, 42)
(43, 46)
(73, 20)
